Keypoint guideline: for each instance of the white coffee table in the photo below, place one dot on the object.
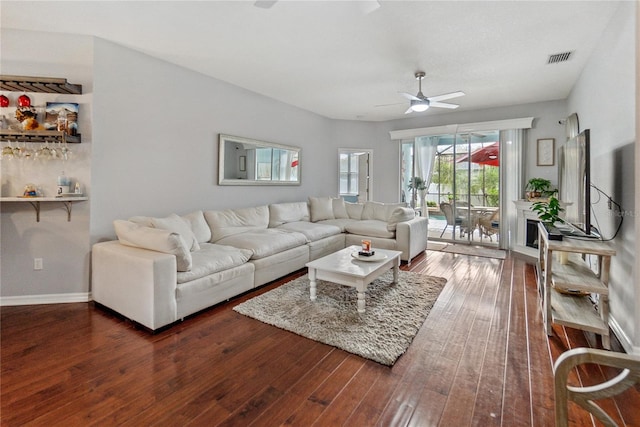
(343, 268)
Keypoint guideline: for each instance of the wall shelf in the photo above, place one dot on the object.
(39, 136)
(38, 85)
(35, 202)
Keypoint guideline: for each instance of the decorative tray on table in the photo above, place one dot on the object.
(370, 258)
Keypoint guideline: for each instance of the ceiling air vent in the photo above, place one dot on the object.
(559, 57)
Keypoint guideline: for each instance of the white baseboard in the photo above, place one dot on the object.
(627, 344)
(46, 299)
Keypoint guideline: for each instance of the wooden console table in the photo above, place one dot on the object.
(565, 288)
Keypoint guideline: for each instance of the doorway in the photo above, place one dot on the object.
(355, 175)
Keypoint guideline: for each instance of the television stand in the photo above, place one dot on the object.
(564, 288)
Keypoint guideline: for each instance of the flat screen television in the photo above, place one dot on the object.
(574, 181)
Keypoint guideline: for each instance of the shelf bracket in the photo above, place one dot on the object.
(36, 206)
(68, 205)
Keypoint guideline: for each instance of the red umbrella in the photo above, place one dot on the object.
(489, 155)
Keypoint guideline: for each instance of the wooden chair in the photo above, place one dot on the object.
(586, 396)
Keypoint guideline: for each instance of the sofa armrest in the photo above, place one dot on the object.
(137, 283)
(411, 237)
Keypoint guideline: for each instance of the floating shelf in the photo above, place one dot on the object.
(35, 202)
(38, 85)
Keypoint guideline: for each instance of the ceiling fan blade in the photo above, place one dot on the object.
(443, 105)
(409, 96)
(410, 110)
(445, 96)
(388, 105)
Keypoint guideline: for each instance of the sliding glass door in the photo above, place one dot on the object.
(454, 178)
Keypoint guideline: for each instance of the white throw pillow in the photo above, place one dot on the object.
(339, 209)
(400, 215)
(178, 225)
(354, 210)
(321, 208)
(154, 239)
(199, 226)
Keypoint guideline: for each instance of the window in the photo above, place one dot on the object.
(348, 174)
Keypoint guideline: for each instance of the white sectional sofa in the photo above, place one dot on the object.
(163, 269)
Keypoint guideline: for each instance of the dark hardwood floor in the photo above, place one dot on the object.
(481, 358)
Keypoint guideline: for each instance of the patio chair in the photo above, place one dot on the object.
(456, 220)
(469, 218)
(490, 224)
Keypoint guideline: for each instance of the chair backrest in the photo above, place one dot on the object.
(447, 210)
(586, 396)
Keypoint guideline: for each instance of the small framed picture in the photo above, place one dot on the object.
(243, 163)
(546, 152)
(61, 116)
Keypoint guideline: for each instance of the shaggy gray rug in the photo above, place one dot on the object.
(394, 313)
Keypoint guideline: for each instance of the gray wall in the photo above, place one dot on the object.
(63, 246)
(603, 97)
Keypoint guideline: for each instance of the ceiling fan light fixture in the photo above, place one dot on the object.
(419, 106)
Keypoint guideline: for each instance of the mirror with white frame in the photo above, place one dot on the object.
(244, 161)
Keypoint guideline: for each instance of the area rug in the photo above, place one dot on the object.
(393, 316)
(475, 251)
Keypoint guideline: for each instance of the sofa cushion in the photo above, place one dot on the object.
(379, 211)
(155, 239)
(282, 213)
(354, 210)
(340, 223)
(339, 208)
(212, 258)
(234, 221)
(371, 228)
(265, 242)
(178, 225)
(311, 230)
(320, 208)
(400, 215)
(199, 226)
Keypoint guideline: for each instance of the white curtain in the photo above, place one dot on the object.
(426, 149)
(511, 182)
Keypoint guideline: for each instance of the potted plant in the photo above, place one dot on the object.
(549, 214)
(421, 186)
(538, 187)
(548, 211)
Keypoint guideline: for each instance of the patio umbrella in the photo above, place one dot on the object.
(488, 155)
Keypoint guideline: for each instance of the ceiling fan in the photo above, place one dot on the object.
(421, 103)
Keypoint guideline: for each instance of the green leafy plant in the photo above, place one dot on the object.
(418, 183)
(431, 204)
(539, 187)
(548, 211)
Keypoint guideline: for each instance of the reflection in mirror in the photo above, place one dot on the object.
(244, 161)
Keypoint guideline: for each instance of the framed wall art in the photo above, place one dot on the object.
(546, 152)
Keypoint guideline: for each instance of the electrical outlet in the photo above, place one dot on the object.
(37, 264)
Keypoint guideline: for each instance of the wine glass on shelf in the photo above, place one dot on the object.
(44, 153)
(28, 153)
(7, 152)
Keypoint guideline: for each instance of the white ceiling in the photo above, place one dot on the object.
(337, 60)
